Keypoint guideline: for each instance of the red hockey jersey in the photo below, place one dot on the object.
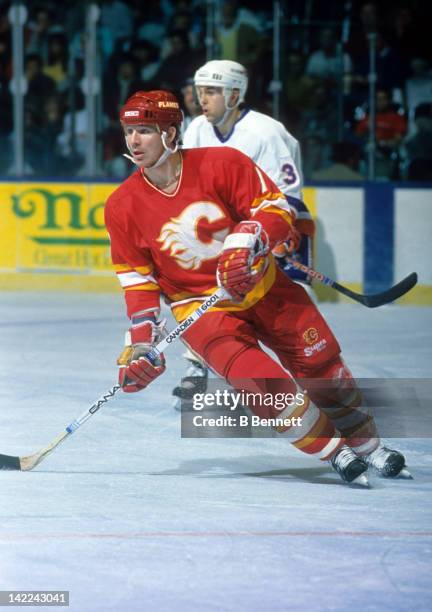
(169, 243)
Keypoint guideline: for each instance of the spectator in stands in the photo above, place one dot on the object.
(409, 36)
(39, 86)
(119, 83)
(180, 62)
(418, 148)
(346, 158)
(238, 35)
(74, 18)
(115, 24)
(368, 23)
(318, 124)
(52, 122)
(40, 29)
(152, 25)
(297, 91)
(191, 108)
(183, 21)
(42, 126)
(72, 140)
(391, 124)
(329, 62)
(56, 66)
(418, 88)
(146, 57)
(388, 69)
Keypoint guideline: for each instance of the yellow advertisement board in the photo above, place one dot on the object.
(54, 232)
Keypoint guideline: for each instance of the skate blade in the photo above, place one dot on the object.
(361, 481)
(405, 474)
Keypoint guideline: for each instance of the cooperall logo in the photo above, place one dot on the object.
(131, 114)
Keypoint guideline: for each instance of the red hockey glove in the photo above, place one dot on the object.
(241, 264)
(136, 370)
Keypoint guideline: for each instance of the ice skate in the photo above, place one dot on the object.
(388, 463)
(195, 381)
(350, 467)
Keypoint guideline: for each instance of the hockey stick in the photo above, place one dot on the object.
(372, 300)
(9, 462)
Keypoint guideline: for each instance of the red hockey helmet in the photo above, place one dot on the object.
(155, 107)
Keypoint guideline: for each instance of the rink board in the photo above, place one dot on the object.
(53, 237)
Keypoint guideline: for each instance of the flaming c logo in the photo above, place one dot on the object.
(179, 237)
(310, 335)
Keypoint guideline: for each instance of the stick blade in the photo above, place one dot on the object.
(395, 292)
(8, 462)
(384, 297)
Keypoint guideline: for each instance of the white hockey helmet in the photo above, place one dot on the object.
(226, 74)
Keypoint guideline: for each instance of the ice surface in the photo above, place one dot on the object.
(128, 516)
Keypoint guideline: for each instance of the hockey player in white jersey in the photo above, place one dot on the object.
(221, 87)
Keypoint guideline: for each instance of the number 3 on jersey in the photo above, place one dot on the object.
(290, 174)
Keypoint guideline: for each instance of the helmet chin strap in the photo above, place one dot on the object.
(168, 151)
(130, 151)
(224, 117)
(228, 109)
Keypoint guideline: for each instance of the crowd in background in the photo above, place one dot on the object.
(159, 44)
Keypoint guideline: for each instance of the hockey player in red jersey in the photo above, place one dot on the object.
(186, 221)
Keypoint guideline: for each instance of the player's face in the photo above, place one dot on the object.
(212, 102)
(144, 143)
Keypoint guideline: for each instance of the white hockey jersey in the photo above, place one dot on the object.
(263, 139)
